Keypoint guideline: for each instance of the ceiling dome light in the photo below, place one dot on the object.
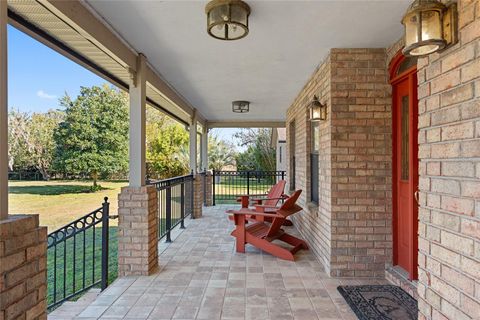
(227, 19)
(240, 106)
(429, 27)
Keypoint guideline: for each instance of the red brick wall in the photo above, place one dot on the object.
(350, 228)
(314, 223)
(361, 163)
(449, 152)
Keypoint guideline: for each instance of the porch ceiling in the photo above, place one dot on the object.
(269, 67)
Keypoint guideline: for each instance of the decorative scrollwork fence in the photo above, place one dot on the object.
(78, 256)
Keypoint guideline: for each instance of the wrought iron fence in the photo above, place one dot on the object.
(175, 203)
(229, 185)
(78, 256)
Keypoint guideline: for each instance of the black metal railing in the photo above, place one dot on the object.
(78, 256)
(227, 186)
(175, 203)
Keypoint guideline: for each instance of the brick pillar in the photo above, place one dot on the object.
(208, 191)
(197, 196)
(23, 268)
(137, 231)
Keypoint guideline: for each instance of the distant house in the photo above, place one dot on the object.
(279, 142)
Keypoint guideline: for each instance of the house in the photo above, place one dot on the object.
(382, 135)
(279, 142)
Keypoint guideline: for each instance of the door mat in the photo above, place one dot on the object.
(380, 302)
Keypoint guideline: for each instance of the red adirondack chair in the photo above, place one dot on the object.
(270, 201)
(261, 234)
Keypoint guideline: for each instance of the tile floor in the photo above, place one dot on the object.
(202, 277)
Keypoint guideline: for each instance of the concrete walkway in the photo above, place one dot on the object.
(202, 277)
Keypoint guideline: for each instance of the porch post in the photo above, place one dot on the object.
(3, 113)
(204, 151)
(193, 143)
(137, 123)
(137, 203)
(198, 179)
(23, 243)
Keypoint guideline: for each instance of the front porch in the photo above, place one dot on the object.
(202, 277)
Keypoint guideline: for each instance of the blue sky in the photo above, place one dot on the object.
(38, 76)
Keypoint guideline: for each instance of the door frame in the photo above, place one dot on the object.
(411, 75)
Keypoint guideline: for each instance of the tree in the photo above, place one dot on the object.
(167, 146)
(93, 137)
(260, 155)
(18, 153)
(41, 143)
(220, 153)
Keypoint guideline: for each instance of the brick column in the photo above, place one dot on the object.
(208, 191)
(197, 196)
(137, 231)
(23, 268)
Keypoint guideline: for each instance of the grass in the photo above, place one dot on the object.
(60, 202)
(75, 264)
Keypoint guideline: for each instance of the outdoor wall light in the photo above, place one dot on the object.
(430, 26)
(227, 19)
(240, 106)
(317, 110)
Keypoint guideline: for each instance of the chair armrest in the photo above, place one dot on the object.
(254, 213)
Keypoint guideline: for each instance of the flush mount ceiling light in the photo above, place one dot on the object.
(227, 19)
(240, 106)
(430, 26)
(317, 110)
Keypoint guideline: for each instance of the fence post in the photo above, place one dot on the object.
(192, 194)
(213, 187)
(105, 234)
(283, 175)
(248, 182)
(182, 205)
(168, 214)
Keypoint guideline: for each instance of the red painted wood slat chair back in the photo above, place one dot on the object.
(288, 208)
(275, 193)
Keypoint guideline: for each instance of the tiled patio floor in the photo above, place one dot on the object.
(202, 277)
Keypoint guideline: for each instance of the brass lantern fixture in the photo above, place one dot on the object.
(240, 106)
(430, 26)
(227, 19)
(317, 110)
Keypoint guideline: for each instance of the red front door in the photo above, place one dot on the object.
(405, 169)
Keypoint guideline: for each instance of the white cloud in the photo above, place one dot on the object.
(42, 94)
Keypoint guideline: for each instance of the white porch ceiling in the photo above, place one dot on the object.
(269, 67)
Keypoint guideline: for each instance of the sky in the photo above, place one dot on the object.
(38, 76)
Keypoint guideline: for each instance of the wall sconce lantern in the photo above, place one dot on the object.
(227, 19)
(430, 26)
(317, 110)
(240, 106)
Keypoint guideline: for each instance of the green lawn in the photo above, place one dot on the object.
(79, 268)
(59, 202)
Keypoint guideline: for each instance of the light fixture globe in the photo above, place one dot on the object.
(424, 32)
(227, 19)
(240, 106)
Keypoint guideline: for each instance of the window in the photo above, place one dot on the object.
(292, 155)
(315, 148)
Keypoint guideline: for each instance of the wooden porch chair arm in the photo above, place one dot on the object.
(254, 213)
